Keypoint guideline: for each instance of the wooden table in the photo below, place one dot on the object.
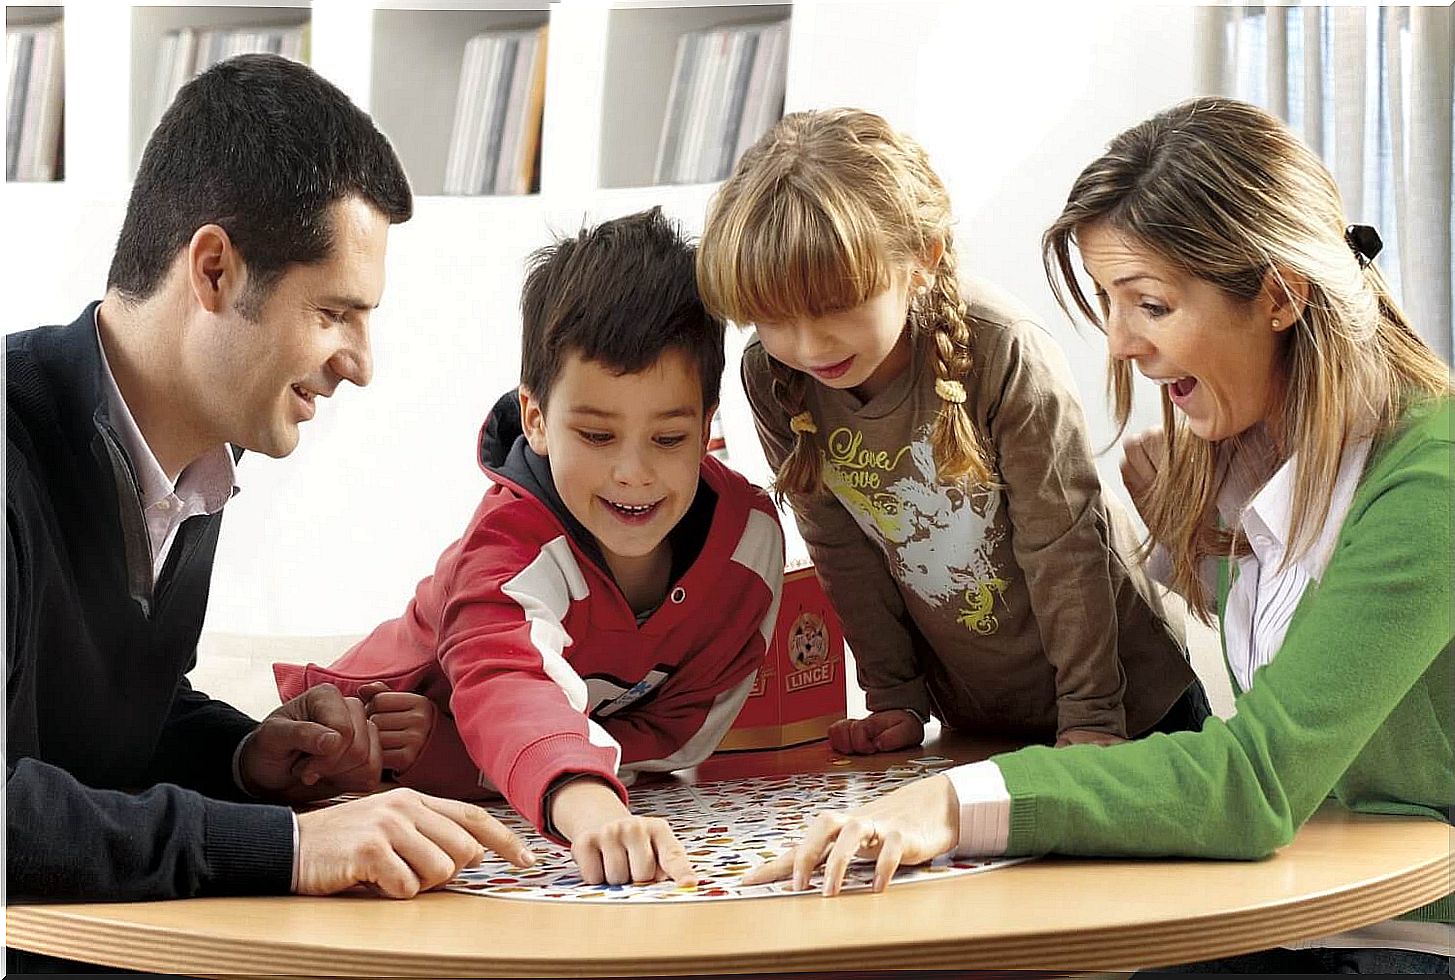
(1342, 871)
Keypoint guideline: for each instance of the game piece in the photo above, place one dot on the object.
(932, 762)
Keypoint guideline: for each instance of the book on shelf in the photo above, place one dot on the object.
(495, 138)
(34, 101)
(726, 91)
(187, 52)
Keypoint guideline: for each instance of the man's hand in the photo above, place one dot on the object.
(398, 844)
(883, 731)
(404, 721)
(315, 746)
(610, 844)
(1142, 457)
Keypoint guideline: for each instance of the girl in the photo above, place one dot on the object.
(1301, 489)
(925, 432)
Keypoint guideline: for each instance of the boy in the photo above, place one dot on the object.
(608, 607)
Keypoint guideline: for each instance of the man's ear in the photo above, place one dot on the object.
(1285, 296)
(215, 270)
(707, 428)
(533, 421)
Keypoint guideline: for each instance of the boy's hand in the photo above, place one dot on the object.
(610, 844)
(398, 844)
(315, 746)
(883, 731)
(404, 721)
(1142, 457)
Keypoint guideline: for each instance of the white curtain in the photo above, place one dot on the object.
(1370, 89)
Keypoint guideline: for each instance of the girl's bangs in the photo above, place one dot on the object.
(788, 259)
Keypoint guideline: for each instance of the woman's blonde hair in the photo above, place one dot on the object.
(1225, 192)
(820, 216)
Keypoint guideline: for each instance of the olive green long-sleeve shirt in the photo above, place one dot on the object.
(1014, 608)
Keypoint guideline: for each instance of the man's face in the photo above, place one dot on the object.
(310, 332)
(625, 450)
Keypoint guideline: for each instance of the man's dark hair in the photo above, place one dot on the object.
(620, 294)
(262, 146)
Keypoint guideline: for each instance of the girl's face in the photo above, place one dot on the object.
(861, 349)
(1220, 359)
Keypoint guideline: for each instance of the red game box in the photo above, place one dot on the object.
(800, 689)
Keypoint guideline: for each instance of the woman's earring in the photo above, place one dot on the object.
(1275, 323)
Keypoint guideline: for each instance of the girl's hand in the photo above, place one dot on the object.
(1142, 457)
(913, 824)
(404, 721)
(883, 731)
(1077, 736)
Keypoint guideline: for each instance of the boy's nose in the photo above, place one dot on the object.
(632, 468)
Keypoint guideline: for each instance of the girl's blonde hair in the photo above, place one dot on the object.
(820, 216)
(1225, 192)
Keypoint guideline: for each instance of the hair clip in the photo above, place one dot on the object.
(950, 391)
(1365, 242)
(803, 423)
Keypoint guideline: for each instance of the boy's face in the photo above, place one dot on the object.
(625, 450)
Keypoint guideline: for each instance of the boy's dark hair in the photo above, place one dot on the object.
(262, 146)
(620, 294)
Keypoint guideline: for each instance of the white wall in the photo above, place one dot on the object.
(332, 539)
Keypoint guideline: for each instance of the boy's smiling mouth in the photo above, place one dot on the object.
(632, 513)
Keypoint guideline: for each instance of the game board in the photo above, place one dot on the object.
(727, 828)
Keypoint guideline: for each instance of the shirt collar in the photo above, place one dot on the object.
(1267, 520)
(212, 477)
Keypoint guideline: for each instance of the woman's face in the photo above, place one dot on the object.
(1219, 358)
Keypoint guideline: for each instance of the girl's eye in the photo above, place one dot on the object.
(668, 442)
(595, 438)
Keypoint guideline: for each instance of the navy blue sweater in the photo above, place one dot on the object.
(118, 776)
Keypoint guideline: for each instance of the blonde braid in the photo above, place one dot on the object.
(959, 455)
(800, 473)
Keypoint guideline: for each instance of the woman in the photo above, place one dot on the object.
(1300, 489)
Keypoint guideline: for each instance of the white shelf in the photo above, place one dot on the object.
(416, 71)
(150, 23)
(640, 55)
(33, 16)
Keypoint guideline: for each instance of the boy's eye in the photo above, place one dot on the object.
(595, 438)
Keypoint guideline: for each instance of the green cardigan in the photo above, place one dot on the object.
(1358, 703)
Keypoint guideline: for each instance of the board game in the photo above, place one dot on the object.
(727, 827)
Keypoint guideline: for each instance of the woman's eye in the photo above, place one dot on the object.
(596, 438)
(1154, 310)
(668, 442)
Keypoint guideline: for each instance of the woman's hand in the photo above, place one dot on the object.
(1142, 457)
(912, 825)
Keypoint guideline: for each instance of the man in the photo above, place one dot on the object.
(250, 258)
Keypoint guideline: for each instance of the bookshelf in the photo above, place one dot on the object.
(415, 73)
(446, 339)
(149, 28)
(34, 95)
